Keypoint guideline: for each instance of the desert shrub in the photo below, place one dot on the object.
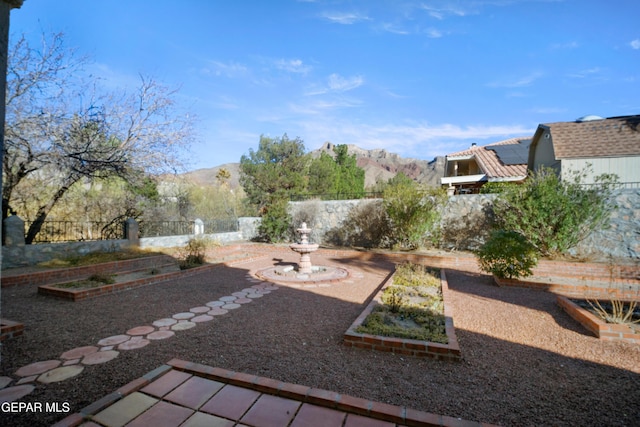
(412, 213)
(554, 214)
(194, 253)
(507, 254)
(105, 278)
(393, 297)
(306, 213)
(415, 275)
(366, 226)
(497, 187)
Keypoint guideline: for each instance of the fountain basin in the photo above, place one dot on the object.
(287, 274)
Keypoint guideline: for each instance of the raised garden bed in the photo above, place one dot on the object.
(10, 329)
(449, 350)
(596, 325)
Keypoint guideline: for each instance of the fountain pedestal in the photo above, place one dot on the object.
(304, 248)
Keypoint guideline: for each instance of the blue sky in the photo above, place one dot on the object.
(419, 78)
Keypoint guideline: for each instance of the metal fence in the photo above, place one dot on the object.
(181, 228)
(74, 231)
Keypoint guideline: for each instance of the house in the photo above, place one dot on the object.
(504, 161)
(610, 145)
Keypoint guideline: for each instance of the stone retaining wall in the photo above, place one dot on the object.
(465, 220)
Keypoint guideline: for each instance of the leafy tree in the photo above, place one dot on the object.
(278, 166)
(553, 214)
(350, 177)
(336, 175)
(66, 130)
(322, 175)
(270, 176)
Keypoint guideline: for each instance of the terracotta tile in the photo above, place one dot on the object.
(360, 421)
(125, 410)
(271, 411)
(194, 392)
(162, 414)
(318, 416)
(231, 402)
(166, 383)
(200, 419)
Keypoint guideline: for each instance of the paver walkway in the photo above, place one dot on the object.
(184, 394)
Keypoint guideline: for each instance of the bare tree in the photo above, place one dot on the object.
(62, 126)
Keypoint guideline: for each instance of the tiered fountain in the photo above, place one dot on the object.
(304, 248)
(305, 272)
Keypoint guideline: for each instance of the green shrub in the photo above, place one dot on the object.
(553, 214)
(507, 254)
(275, 224)
(412, 212)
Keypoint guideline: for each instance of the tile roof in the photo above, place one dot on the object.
(490, 163)
(611, 137)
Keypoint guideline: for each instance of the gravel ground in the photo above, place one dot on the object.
(525, 361)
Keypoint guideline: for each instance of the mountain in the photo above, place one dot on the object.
(378, 165)
(381, 165)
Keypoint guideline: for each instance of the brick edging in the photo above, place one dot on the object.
(405, 346)
(598, 327)
(329, 399)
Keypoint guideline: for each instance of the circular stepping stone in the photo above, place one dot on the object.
(71, 362)
(11, 394)
(183, 316)
(5, 381)
(271, 288)
(37, 368)
(217, 311)
(79, 352)
(200, 310)
(239, 294)
(133, 344)
(141, 330)
(114, 340)
(160, 335)
(202, 318)
(164, 322)
(227, 299)
(215, 303)
(27, 380)
(243, 301)
(100, 357)
(248, 290)
(255, 295)
(182, 326)
(231, 306)
(60, 374)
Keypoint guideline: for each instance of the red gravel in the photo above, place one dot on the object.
(525, 361)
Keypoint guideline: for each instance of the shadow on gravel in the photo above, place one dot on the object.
(295, 335)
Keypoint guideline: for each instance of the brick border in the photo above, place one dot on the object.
(600, 328)
(400, 415)
(10, 329)
(407, 347)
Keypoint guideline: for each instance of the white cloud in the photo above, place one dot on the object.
(230, 69)
(337, 83)
(586, 73)
(292, 66)
(443, 12)
(433, 33)
(518, 82)
(345, 18)
(635, 44)
(412, 139)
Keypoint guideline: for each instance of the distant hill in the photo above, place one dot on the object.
(378, 165)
